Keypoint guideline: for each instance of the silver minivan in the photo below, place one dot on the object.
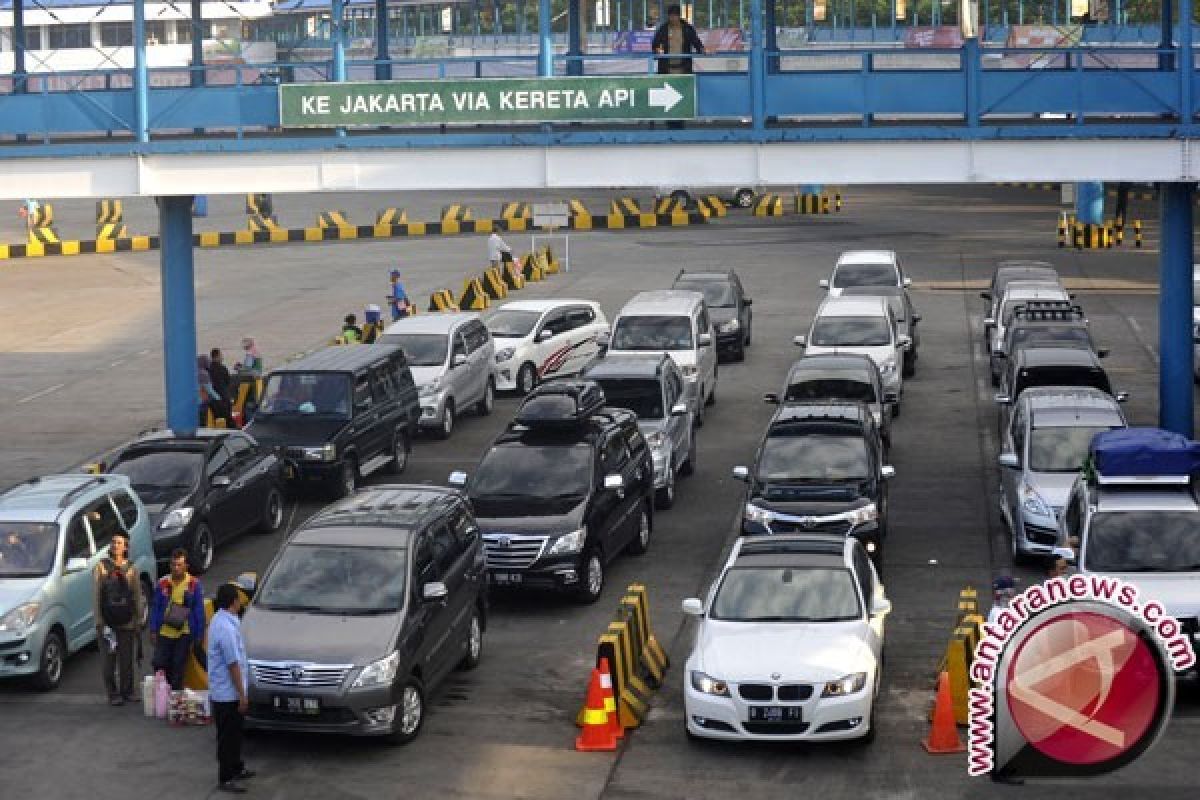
(53, 532)
(452, 358)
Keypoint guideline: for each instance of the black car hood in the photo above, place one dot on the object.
(529, 515)
(294, 429)
(811, 498)
(320, 638)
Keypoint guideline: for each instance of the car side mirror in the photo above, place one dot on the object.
(916, 318)
(604, 338)
(75, 565)
(220, 481)
(747, 301)
(880, 606)
(905, 341)
(434, 592)
(800, 341)
(693, 607)
(742, 474)
(1102, 352)
(891, 397)
(679, 410)
(907, 282)
(545, 334)
(457, 479)
(1122, 396)
(824, 284)
(887, 472)
(458, 360)
(986, 295)
(1009, 460)
(1002, 399)
(614, 482)
(704, 339)
(989, 322)
(771, 397)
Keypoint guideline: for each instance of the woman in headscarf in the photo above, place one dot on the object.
(251, 362)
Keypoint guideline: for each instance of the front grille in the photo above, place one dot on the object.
(756, 691)
(1040, 535)
(14, 644)
(793, 692)
(775, 728)
(512, 551)
(300, 675)
(839, 527)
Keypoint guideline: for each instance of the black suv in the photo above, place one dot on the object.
(728, 307)
(844, 377)
(564, 490)
(364, 611)
(201, 488)
(819, 469)
(340, 413)
(1042, 323)
(1050, 366)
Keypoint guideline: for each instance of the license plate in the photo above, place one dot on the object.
(775, 714)
(296, 705)
(507, 578)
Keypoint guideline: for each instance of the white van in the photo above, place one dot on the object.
(861, 324)
(674, 322)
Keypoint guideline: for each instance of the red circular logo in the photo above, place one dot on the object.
(1083, 688)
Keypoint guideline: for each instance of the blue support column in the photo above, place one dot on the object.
(771, 44)
(337, 38)
(198, 78)
(141, 79)
(178, 311)
(758, 68)
(1186, 60)
(1166, 60)
(383, 53)
(972, 66)
(1175, 308)
(18, 12)
(545, 40)
(575, 26)
(1089, 202)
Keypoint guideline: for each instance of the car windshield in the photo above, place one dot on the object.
(847, 275)
(534, 471)
(160, 469)
(1063, 376)
(829, 386)
(421, 349)
(813, 457)
(307, 393)
(27, 549)
(851, 332)
(511, 324)
(642, 397)
(1061, 449)
(1051, 336)
(717, 294)
(1143, 541)
(336, 580)
(653, 333)
(786, 594)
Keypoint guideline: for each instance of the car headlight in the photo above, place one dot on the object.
(656, 440)
(1033, 503)
(888, 367)
(708, 684)
(379, 672)
(868, 513)
(848, 684)
(433, 387)
(756, 514)
(20, 619)
(326, 452)
(178, 518)
(688, 372)
(505, 354)
(728, 327)
(568, 543)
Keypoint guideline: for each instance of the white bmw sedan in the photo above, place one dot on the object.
(789, 644)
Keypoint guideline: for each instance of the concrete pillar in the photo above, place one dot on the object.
(1175, 308)
(141, 78)
(545, 40)
(178, 311)
(1089, 202)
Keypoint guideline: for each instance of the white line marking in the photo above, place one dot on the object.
(42, 393)
(117, 363)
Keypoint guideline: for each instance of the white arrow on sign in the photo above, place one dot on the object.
(665, 98)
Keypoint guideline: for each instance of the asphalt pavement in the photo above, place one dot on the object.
(80, 371)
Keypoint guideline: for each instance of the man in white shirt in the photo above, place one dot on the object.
(1003, 589)
(497, 247)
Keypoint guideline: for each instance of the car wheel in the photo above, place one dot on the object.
(148, 600)
(665, 497)
(869, 736)
(895, 410)
(642, 542)
(489, 399)
(54, 653)
(401, 449)
(474, 643)
(712, 394)
(688, 467)
(526, 378)
(200, 555)
(410, 712)
(700, 415)
(272, 511)
(743, 198)
(447, 421)
(749, 335)
(740, 353)
(910, 367)
(1018, 558)
(591, 582)
(347, 480)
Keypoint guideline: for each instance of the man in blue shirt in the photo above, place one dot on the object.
(227, 687)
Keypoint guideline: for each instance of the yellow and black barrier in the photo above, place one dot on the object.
(960, 650)
(816, 204)
(473, 297)
(456, 212)
(516, 210)
(442, 300)
(110, 220)
(260, 213)
(1089, 236)
(550, 264)
(624, 206)
(333, 219)
(768, 205)
(531, 269)
(513, 278)
(670, 205)
(391, 216)
(1137, 233)
(41, 226)
(1047, 187)
(712, 206)
(493, 283)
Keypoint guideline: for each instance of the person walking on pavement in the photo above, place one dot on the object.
(222, 383)
(176, 618)
(372, 324)
(1003, 589)
(676, 36)
(118, 607)
(227, 688)
(351, 333)
(497, 247)
(397, 299)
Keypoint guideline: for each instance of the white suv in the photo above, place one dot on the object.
(543, 339)
(865, 268)
(861, 324)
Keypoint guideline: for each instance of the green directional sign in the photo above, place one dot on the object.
(496, 101)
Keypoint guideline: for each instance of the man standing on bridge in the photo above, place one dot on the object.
(676, 37)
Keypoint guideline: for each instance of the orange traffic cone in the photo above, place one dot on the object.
(597, 735)
(943, 733)
(610, 700)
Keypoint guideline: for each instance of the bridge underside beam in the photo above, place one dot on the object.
(601, 166)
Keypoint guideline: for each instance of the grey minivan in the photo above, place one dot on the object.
(366, 609)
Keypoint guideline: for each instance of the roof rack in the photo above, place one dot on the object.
(817, 545)
(560, 403)
(1048, 310)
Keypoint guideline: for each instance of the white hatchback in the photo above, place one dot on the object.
(789, 644)
(537, 340)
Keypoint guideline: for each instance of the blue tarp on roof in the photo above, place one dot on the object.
(1144, 452)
